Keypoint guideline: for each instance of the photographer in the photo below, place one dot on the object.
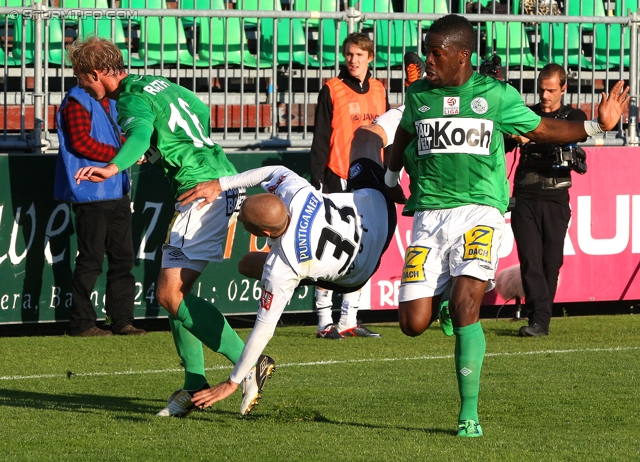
(541, 214)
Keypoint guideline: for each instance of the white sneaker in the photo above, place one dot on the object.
(254, 382)
(179, 403)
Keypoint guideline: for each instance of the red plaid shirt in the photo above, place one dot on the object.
(78, 122)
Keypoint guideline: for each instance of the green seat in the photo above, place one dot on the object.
(612, 36)
(221, 39)
(53, 28)
(6, 55)
(618, 46)
(479, 28)
(554, 38)
(291, 46)
(332, 35)
(509, 41)
(133, 5)
(111, 30)
(428, 7)
(8, 60)
(392, 39)
(316, 5)
(517, 51)
(585, 8)
(373, 6)
(163, 40)
(188, 21)
(331, 32)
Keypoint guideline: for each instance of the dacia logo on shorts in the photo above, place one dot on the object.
(355, 170)
(414, 258)
(477, 243)
(454, 136)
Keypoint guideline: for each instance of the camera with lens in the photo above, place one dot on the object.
(570, 156)
(491, 67)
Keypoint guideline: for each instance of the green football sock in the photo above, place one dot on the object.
(190, 351)
(470, 348)
(205, 321)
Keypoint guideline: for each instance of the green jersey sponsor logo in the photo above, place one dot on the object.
(454, 136)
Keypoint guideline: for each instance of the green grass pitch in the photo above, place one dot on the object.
(572, 396)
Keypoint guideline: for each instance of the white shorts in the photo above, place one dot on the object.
(197, 237)
(464, 241)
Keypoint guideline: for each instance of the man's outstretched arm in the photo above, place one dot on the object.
(568, 131)
(256, 343)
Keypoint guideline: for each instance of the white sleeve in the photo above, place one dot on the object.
(389, 122)
(252, 177)
(256, 343)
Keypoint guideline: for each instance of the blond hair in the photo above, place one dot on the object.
(95, 54)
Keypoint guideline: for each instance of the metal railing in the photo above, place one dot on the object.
(269, 105)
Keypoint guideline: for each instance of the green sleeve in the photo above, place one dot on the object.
(134, 111)
(138, 142)
(517, 118)
(136, 118)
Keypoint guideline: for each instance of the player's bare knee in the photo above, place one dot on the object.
(412, 327)
(168, 299)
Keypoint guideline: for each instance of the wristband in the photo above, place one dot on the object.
(391, 178)
(592, 127)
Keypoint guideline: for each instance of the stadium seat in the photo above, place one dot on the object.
(392, 39)
(482, 29)
(616, 43)
(133, 5)
(427, 7)
(6, 56)
(331, 32)
(223, 38)
(112, 30)
(27, 39)
(316, 5)
(163, 40)
(373, 6)
(331, 37)
(188, 21)
(291, 42)
(555, 37)
(512, 45)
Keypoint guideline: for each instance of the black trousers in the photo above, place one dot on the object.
(539, 228)
(103, 227)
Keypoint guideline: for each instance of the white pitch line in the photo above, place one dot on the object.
(314, 363)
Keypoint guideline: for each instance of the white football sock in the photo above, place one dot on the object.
(349, 311)
(323, 307)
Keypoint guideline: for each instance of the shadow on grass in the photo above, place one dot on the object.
(503, 332)
(295, 414)
(85, 403)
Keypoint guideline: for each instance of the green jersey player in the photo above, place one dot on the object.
(450, 142)
(171, 125)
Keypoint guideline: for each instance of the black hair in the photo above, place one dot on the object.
(458, 28)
